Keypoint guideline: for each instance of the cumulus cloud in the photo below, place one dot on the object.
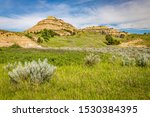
(130, 14)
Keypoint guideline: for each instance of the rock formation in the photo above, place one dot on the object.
(105, 30)
(57, 25)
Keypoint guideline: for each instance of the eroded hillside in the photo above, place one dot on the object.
(9, 38)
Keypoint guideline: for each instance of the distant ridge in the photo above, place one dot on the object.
(105, 30)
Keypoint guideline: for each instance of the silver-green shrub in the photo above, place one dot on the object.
(127, 61)
(91, 59)
(142, 60)
(33, 72)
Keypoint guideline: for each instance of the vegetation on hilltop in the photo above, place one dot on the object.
(41, 36)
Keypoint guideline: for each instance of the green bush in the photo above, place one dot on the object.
(46, 34)
(29, 35)
(31, 72)
(40, 40)
(142, 61)
(15, 46)
(91, 59)
(111, 41)
(122, 36)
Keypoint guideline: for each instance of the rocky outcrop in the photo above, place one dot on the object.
(105, 30)
(9, 38)
(57, 25)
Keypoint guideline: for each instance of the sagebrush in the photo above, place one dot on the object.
(92, 59)
(142, 60)
(33, 72)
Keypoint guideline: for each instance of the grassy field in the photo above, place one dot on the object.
(73, 79)
(82, 39)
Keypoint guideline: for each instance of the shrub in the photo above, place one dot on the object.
(32, 72)
(15, 46)
(91, 59)
(142, 60)
(43, 35)
(111, 41)
(126, 61)
(29, 35)
(122, 36)
(40, 40)
(47, 34)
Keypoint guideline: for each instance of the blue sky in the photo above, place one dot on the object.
(129, 15)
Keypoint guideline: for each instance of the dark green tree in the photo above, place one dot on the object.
(109, 39)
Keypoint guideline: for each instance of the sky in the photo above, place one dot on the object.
(128, 15)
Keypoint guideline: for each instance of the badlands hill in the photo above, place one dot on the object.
(57, 25)
(8, 38)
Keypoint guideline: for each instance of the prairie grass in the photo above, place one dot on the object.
(73, 80)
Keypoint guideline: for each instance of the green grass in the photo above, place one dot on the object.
(74, 80)
(82, 39)
(58, 58)
(144, 37)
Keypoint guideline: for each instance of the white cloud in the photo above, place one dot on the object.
(131, 14)
(18, 22)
